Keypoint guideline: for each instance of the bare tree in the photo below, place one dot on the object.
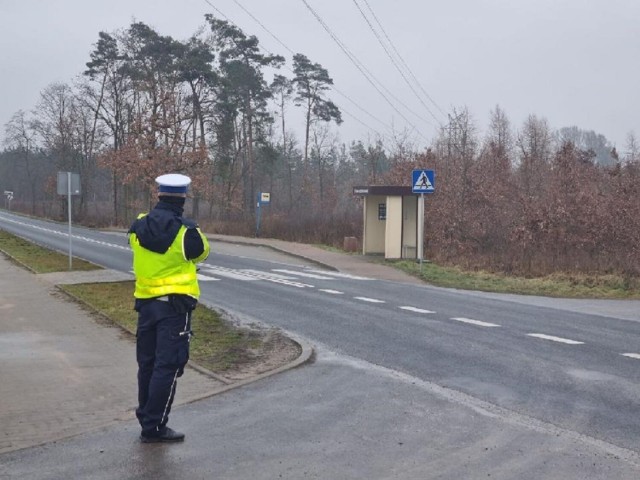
(632, 149)
(20, 137)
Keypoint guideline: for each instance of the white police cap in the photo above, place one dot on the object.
(173, 183)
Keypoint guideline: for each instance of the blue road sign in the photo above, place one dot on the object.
(423, 181)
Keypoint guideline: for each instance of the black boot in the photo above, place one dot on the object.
(166, 436)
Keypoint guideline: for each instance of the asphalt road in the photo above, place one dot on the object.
(527, 377)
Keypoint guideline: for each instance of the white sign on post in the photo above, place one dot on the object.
(68, 183)
(9, 196)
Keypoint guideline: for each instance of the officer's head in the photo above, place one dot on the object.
(173, 187)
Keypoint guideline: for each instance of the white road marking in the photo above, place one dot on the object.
(417, 310)
(475, 322)
(370, 300)
(205, 278)
(334, 292)
(262, 274)
(252, 275)
(554, 339)
(225, 272)
(631, 355)
(66, 234)
(340, 275)
(302, 274)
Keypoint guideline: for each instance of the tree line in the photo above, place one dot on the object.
(218, 108)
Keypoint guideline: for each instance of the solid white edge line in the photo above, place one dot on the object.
(370, 300)
(555, 339)
(474, 322)
(416, 310)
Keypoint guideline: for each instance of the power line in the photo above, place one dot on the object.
(456, 118)
(395, 64)
(216, 9)
(365, 71)
(360, 67)
(291, 51)
(265, 28)
(402, 59)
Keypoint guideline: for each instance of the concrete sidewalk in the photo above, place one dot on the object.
(63, 372)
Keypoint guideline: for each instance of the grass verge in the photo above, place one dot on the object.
(216, 345)
(556, 285)
(39, 259)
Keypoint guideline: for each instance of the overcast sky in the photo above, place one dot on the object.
(573, 62)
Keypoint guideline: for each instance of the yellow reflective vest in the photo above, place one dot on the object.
(159, 274)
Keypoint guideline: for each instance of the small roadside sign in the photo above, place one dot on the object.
(265, 198)
(68, 183)
(423, 181)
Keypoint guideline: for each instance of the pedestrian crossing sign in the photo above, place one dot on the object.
(423, 181)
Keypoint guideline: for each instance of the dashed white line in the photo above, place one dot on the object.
(471, 321)
(631, 355)
(333, 292)
(554, 339)
(370, 300)
(416, 310)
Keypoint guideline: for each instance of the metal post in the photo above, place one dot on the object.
(421, 228)
(258, 218)
(69, 211)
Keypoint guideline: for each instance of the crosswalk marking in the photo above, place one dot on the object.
(340, 275)
(205, 278)
(302, 274)
(260, 273)
(228, 273)
(253, 275)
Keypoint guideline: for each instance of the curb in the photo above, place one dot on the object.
(306, 356)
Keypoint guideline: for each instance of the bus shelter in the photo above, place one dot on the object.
(390, 221)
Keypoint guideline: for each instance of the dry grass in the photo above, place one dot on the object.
(39, 259)
(555, 285)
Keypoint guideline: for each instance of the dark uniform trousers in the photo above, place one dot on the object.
(162, 351)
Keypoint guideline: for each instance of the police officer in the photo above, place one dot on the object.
(166, 248)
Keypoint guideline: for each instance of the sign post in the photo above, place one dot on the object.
(422, 181)
(8, 197)
(69, 184)
(264, 198)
